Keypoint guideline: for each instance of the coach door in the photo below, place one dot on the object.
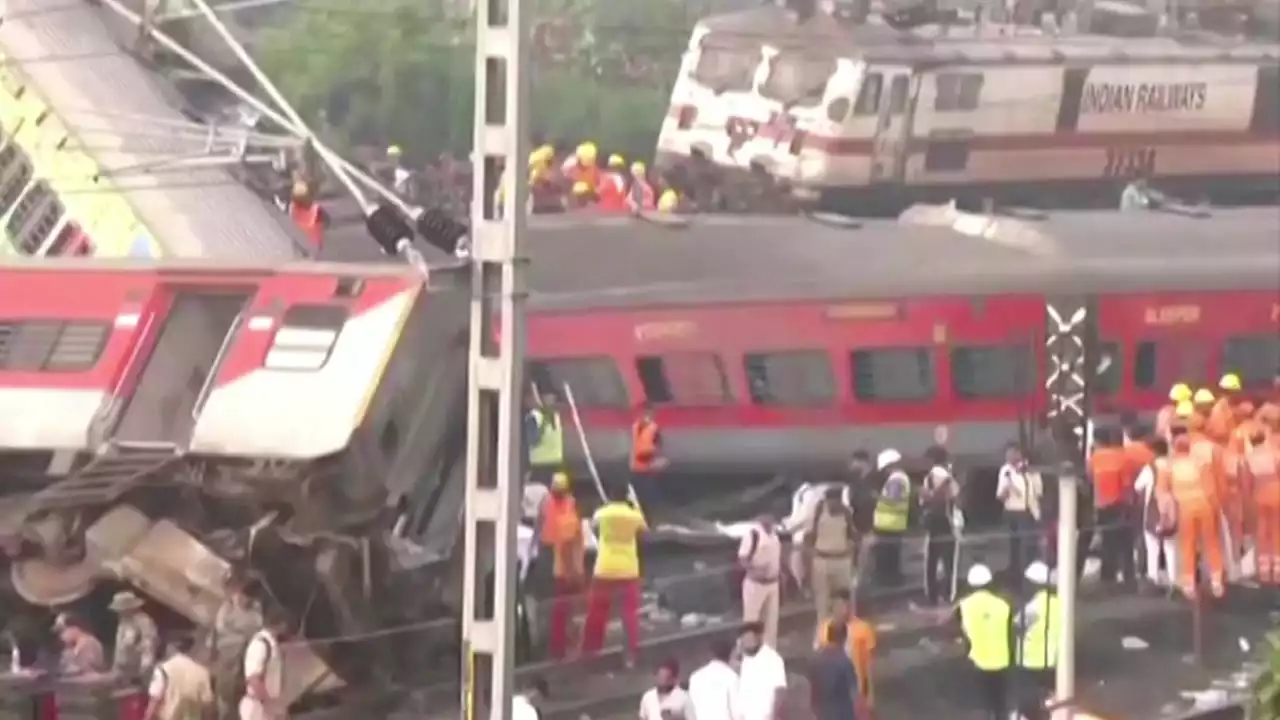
(891, 144)
(176, 371)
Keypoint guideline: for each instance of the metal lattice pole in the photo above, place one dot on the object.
(494, 447)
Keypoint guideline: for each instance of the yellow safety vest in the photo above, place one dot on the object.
(549, 450)
(1040, 641)
(891, 515)
(986, 619)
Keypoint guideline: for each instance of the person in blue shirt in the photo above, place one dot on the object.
(833, 680)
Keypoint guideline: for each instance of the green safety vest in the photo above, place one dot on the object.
(1040, 641)
(549, 450)
(891, 515)
(986, 619)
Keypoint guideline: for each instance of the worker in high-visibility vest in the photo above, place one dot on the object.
(562, 535)
(544, 436)
(1191, 482)
(1040, 625)
(616, 575)
(889, 523)
(987, 620)
(647, 461)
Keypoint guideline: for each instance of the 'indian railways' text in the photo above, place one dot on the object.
(1103, 98)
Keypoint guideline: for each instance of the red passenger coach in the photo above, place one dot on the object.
(781, 342)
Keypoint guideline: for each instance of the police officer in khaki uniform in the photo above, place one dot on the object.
(137, 639)
(832, 541)
(237, 619)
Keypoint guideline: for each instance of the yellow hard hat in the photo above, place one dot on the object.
(617, 161)
(587, 152)
(543, 155)
(581, 188)
(394, 151)
(560, 481)
(1230, 382)
(1179, 393)
(1184, 409)
(637, 168)
(669, 200)
(1202, 397)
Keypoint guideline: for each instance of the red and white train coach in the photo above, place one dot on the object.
(860, 113)
(770, 343)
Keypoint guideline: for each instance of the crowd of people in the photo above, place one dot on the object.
(231, 669)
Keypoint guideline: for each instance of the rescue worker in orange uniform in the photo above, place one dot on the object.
(1179, 393)
(582, 166)
(1261, 479)
(562, 536)
(1192, 484)
(1224, 414)
(307, 213)
(1110, 468)
(612, 188)
(647, 461)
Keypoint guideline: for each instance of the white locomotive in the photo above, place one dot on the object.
(853, 114)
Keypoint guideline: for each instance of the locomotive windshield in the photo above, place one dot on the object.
(798, 79)
(727, 63)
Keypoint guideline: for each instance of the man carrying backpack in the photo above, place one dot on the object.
(832, 542)
(264, 673)
(760, 556)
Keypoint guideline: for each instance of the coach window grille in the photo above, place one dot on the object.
(31, 202)
(30, 345)
(306, 337)
(991, 371)
(950, 155)
(958, 92)
(594, 381)
(893, 374)
(692, 379)
(41, 225)
(791, 378)
(78, 347)
(1255, 358)
(15, 176)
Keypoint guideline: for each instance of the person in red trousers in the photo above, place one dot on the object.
(617, 573)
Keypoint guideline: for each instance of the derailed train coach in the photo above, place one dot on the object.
(771, 344)
(160, 422)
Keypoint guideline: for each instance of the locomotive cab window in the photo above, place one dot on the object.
(727, 64)
(992, 371)
(893, 374)
(306, 337)
(1255, 358)
(957, 92)
(594, 381)
(798, 79)
(793, 378)
(683, 379)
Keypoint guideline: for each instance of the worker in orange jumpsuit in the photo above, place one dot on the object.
(1111, 470)
(582, 166)
(647, 461)
(1224, 414)
(562, 535)
(1179, 393)
(1230, 496)
(612, 188)
(1261, 475)
(1192, 484)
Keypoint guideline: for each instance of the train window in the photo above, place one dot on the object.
(869, 96)
(1110, 369)
(898, 94)
(1255, 358)
(946, 155)
(594, 381)
(992, 371)
(78, 347)
(15, 175)
(684, 379)
(838, 110)
(306, 337)
(799, 378)
(958, 92)
(41, 225)
(727, 65)
(1158, 365)
(25, 346)
(32, 202)
(798, 79)
(893, 374)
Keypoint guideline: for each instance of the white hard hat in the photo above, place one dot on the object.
(887, 458)
(1038, 573)
(979, 576)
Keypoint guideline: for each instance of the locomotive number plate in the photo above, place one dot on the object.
(1129, 162)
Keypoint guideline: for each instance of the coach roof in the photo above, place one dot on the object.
(583, 262)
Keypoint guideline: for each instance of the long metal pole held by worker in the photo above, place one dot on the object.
(1068, 512)
(494, 459)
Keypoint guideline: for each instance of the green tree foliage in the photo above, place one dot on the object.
(396, 71)
(1266, 691)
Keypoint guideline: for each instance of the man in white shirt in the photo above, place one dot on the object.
(180, 688)
(524, 704)
(1020, 493)
(264, 673)
(713, 688)
(666, 700)
(1158, 517)
(762, 677)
